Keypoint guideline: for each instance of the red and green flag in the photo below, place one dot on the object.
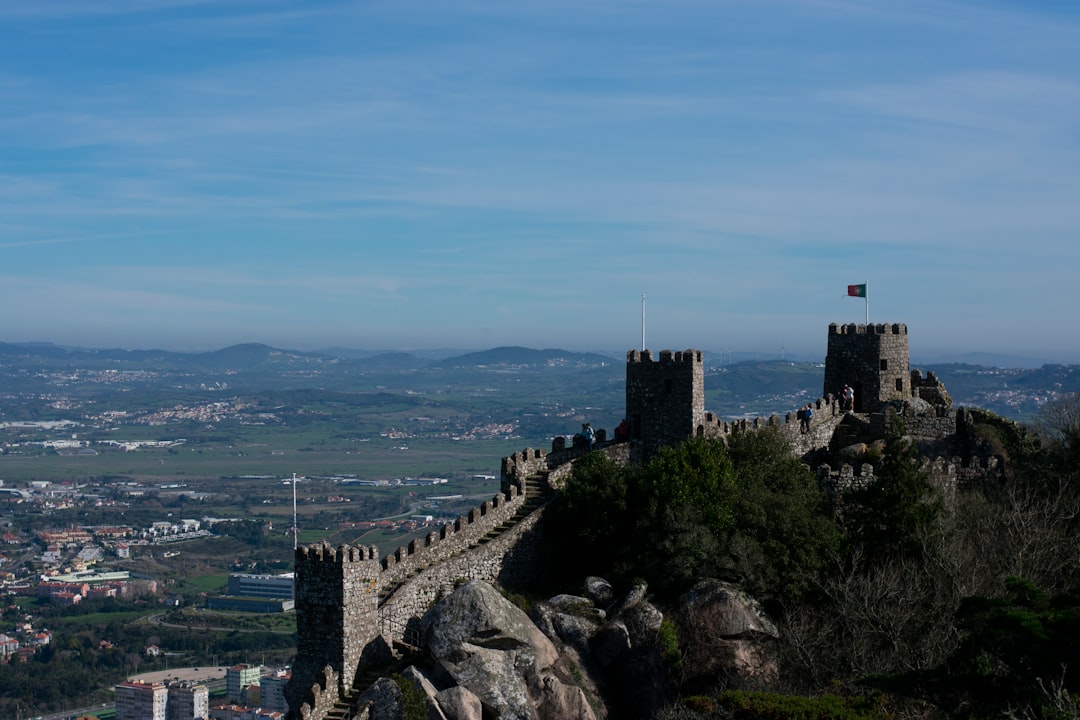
(856, 290)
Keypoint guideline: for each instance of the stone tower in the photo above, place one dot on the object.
(873, 359)
(337, 601)
(665, 398)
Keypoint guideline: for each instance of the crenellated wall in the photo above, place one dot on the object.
(320, 698)
(827, 416)
(946, 474)
(450, 539)
(350, 601)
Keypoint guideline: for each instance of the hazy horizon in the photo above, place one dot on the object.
(713, 356)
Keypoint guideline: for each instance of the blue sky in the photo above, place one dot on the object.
(188, 175)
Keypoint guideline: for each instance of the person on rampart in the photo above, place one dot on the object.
(847, 399)
(622, 431)
(589, 436)
(807, 417)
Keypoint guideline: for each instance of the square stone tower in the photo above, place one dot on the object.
(337, 603)
(665, 398)
(872, 359)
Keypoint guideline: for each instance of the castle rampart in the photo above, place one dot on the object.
(946, 474)
(349, 600)
(450, 539)
(321, 697)
(827, 416)
(510, 559)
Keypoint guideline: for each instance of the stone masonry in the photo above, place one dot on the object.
(873, 359)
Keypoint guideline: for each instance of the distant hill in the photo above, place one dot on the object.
(733, 389)
(429, 354)
(527, 357)
(389, 362)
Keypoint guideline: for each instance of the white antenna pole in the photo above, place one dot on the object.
(643, 322)
(294, 531)
(866, 299)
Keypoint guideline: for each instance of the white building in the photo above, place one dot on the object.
(141, 701)
(262, 586)
(272, 691)
(188, 701)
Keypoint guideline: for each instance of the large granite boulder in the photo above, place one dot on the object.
(484, 643)
(457, 703)
(383, 700)
(599, 591)
(727, 638)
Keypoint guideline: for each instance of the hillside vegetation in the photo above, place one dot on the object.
(895, 596)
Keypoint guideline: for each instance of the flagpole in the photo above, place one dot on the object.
(642, 322)
(866, 300)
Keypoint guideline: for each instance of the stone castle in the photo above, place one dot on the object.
(353, 606)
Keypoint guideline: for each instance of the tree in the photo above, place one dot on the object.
(697, 475)
(893, 515)
(1016, 652)
(782, 535)
(1059, 424)
(593, 514)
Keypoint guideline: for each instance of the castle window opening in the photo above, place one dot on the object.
(899, 385)
(884, 364)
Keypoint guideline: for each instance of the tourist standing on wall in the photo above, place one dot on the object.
(622, 432)
(587, 433)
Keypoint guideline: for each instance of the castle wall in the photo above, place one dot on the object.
(511, 559)
(946, 474)
(320, 699)
(827, 416)
(873, 359)
(450, 539)
(514, 557)
(940, 424)
(347, 597)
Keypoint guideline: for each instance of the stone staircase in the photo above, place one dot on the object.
(346, 707)
(538, 492)
(852, 429)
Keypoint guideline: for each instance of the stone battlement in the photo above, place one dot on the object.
(666, 356)
(859, 329)
(946, 474)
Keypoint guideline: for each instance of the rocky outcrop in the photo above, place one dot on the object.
(728, 639)
(486, 659)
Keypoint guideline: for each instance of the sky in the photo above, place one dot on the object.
(189, 174)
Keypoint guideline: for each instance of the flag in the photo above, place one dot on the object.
(856, 290)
